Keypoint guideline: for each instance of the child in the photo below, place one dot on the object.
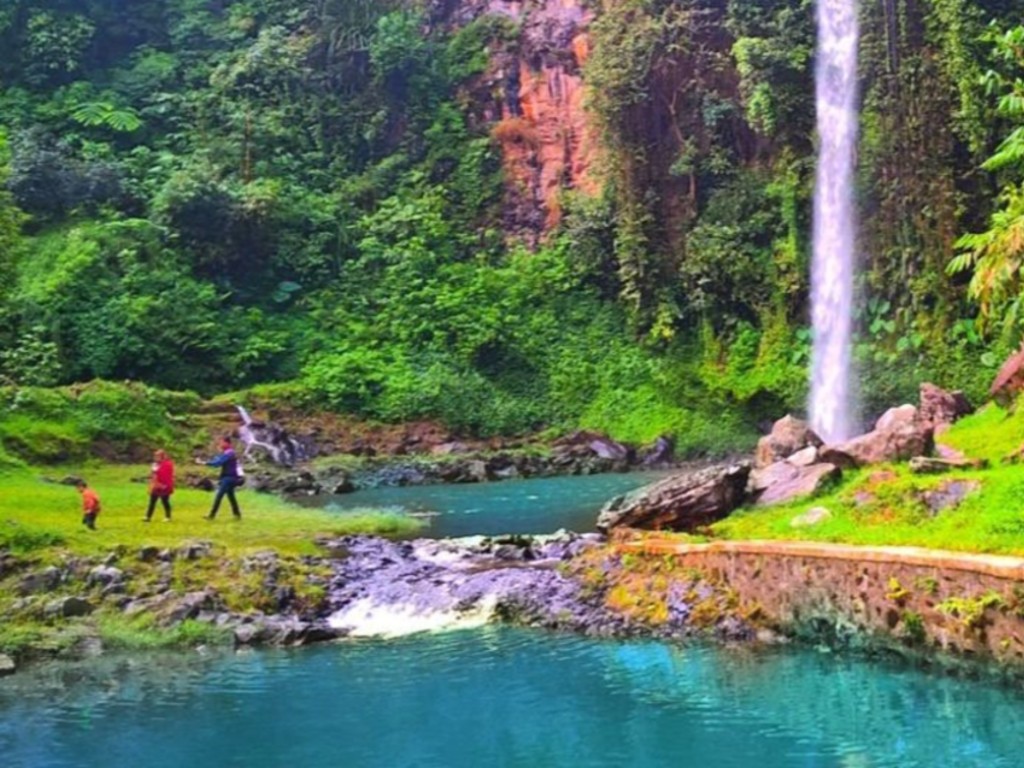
(90, 505)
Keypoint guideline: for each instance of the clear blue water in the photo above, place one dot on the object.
(540, 505)
(503, 697)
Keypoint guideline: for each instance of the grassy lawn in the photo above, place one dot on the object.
(885, 505)
(35, 513)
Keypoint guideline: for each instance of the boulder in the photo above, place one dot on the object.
(45, 580)
(812, 516)
(789, 435)
(897, 418)
(681, 502)
(177, 610)
(897, 438)
(662, 452)
(7, 665)
(606, 448)
(783, 481)
(929, 465)
(804, 457)
(68, 607)
(102, 575)
(1009, 380)
(949, 494)
(939, 407)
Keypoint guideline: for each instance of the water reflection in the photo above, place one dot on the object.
(508, 698)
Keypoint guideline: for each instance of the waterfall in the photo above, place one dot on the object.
(832, 407)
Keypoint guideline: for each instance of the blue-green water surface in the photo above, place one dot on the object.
(503, 697)
(540, 505)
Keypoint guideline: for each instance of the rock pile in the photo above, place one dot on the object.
(792, 462)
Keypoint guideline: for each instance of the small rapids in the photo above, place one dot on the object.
(387, 589)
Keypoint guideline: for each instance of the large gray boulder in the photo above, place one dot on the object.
(898, 435)
(784, 481)
(789, 435)
(7, 665)
(681, 502)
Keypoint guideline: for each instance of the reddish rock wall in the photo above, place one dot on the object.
(943, 604)
(533, 97)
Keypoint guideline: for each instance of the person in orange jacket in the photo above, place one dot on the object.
(161, 485)
(90, 505)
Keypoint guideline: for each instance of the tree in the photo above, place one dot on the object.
(996, 255)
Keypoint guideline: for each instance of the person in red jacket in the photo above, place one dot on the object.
(90, 505)
(161, 485)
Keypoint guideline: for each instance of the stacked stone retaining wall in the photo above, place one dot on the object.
(940, 605)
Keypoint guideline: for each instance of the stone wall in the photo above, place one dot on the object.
(941, 605)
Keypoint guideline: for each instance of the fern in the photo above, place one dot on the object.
(96, 114)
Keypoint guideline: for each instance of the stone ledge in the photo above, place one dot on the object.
(998, 566)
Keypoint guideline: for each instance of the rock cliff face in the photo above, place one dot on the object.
(532, 96)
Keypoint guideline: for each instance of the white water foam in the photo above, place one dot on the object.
(832, 408)
(368, 618)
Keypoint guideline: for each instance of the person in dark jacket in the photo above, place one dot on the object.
(230, 478)
(161, 485)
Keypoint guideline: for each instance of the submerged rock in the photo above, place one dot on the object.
(681, 502)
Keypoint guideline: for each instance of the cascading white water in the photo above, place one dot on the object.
(832, 407)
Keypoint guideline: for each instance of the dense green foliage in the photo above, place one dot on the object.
(212, 195)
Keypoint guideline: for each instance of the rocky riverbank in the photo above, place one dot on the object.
(361, 585)
(582, 453)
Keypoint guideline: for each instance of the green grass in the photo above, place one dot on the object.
(140, 633)
(883, 506)
(35, 514)
(992, 433)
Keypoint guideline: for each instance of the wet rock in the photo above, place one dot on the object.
(606, 448)
(930, 465)
(149, 554)
(45, 580)
(939, 407)
(341, 485)
(783, 481)
(812, 516)
(789, 435)
(681, 502)
(68, 607)
(252, 633)
(7, 665)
